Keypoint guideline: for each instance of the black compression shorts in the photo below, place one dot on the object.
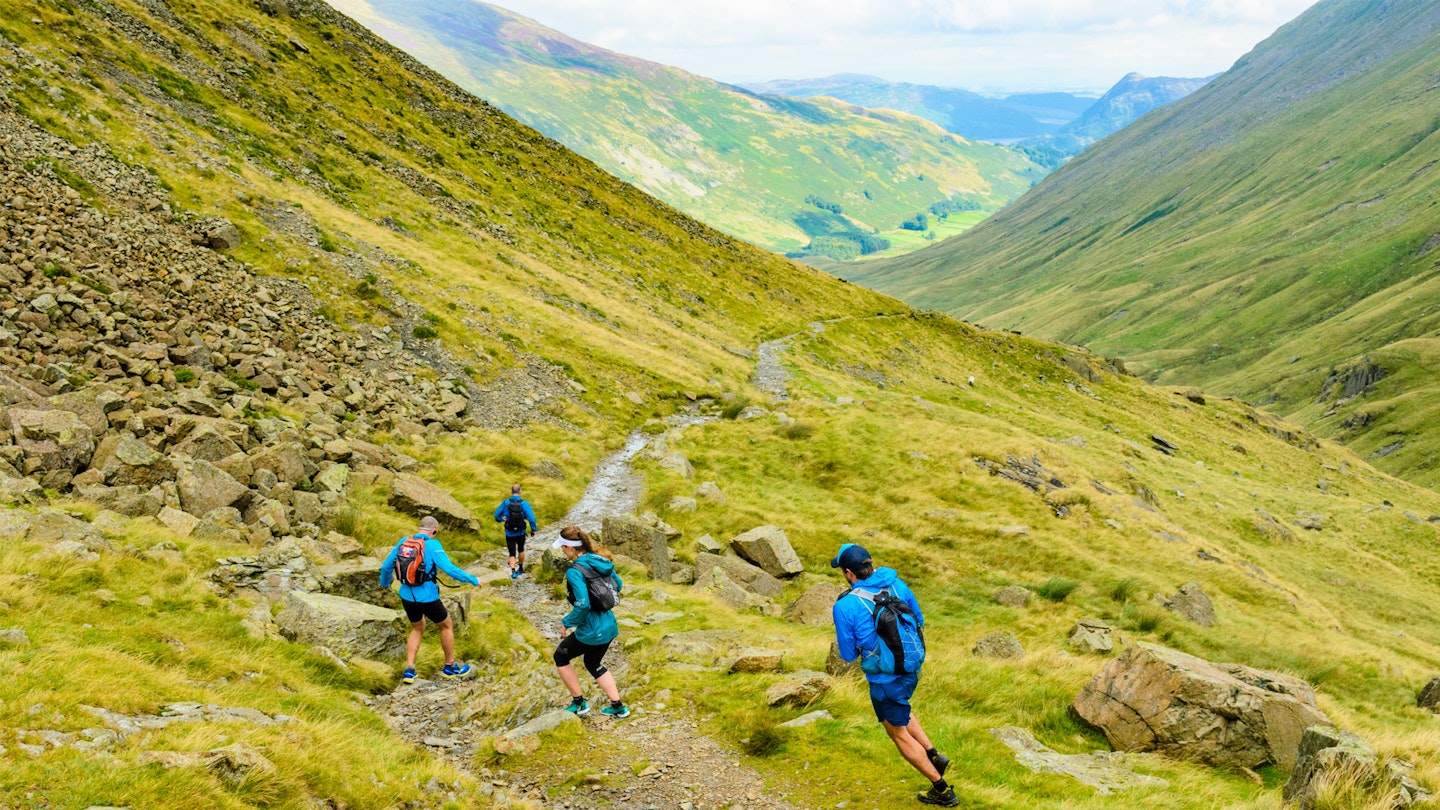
(516, 545)
(571, 648)
(434, 611)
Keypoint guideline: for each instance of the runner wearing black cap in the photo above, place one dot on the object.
(889, 693)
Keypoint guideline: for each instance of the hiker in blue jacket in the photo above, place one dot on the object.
(515, 512)
(422, 601)
(587, 631)
(889, 693)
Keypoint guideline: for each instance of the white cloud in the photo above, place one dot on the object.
(982, 44)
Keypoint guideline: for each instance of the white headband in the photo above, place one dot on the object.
(560, 541)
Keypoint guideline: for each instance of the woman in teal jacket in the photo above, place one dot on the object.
(587, 632)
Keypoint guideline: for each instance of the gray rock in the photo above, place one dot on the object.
(1327, 754)
(837, 666)
(710, 492)
(347, 626)
(1105, 771)
(807, 719)
(223, 236)
(815, 606)
(525, 739)
(335, 478)
(676, 462)
(768, 548)
(55, 528)
(288, 460)
(545, 468)
(1156, 699)
(127, 460)
(699, 645)
(1000, 644)
(750, 577)
(1429, 697)
(1193, 603)
(1092, 636)
(51, 440)
(181, 523)
(14, 638)
(634, 539)
(717, 581)
(681, 504)
(1013, 596)
(755, 659)
(203, 487)
(707, 545)
(208, 443)
(417, 497)
(801, 689)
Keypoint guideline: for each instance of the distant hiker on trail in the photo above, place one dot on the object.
(515, 512)
(417, 561)
(879, 622)
(593, 587)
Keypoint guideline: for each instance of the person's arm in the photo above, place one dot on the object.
(500, 512)
(582, 598)
(387, 568)
(530, 516)
(443, 563)
(844, 632)
(619, 583)
(914, 605)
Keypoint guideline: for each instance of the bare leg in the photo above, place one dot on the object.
(571, 680)
(412, 644)
(918, 733)
(512, 562)
(912, 751)
(522, 559)
(607, 685)
(447, 639)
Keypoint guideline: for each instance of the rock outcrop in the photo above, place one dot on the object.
(1092, 636)
(1429, 697)
(634, 539)
(1331, 760)
(815, 606)
(1000, 644)
(768, 548)
(1153, 698)
(1191, 602)
(1106, 771)
(346, 626)
(418, 497)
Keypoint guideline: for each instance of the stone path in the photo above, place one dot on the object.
(658, 759)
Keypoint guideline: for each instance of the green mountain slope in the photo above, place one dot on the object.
(776, 172)
(1259, 237)
(393, 242)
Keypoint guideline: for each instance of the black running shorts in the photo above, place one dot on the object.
(516, 545)
(434, 611)
(571, 648)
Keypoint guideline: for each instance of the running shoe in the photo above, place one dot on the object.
(453, 671)
(943, 798)
(580, 708)
(619, 714)
(409, 676)
(514, 572)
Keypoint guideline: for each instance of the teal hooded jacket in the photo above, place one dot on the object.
(590, 627)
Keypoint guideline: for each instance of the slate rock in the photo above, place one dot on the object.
(801, 689)
(347, 626)
(768, 548)
(418, 498)
(815, 606)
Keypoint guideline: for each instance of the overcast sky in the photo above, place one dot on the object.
(987, 45)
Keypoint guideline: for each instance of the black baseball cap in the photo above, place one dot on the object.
(850, 557)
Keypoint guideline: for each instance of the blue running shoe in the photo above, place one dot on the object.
(619, 714)
(453, 671)
(409, 676)
(579, 706)
(514, 572)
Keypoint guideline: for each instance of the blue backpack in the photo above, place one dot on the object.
(900, 640)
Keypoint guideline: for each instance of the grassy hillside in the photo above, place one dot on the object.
(348, 168)
(779, 173)
(1268, 232)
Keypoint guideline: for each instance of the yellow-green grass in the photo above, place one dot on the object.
(903, 241)
(187, 644)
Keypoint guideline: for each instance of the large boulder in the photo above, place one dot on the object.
(418, 497)
(1153, 698)
(718, 582)
(125, 460)
(1429, 697)
(55, 529)
(1000, 644)
(756, 659)
(801, 689)
(203, 487)
(51, 440)
(1193, 603)
(346, 626)
(278, 569)
(1013, 596)
(207, 441)
(1338, 758)
(288, 460)
(814, 607)
(634, 539)
(768, 548)
(357, 579)
(751, 578)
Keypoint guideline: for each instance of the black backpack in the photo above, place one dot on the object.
(515, 518)
(601, 589)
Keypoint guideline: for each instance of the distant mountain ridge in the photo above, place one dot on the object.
(1272, 235)
(1130, 98)
(963, 112)
(787, 174)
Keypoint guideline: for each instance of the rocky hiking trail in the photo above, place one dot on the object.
(657, 758)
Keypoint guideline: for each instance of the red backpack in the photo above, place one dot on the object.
(410, 566)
